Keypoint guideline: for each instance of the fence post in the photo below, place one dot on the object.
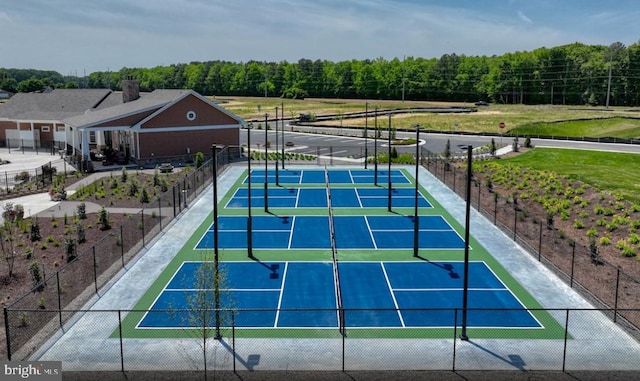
(122, 244)
(121, 345)
(160, 211)
(59, 300)
(6, 332)
(566, 336)
(540, 243)
(615, 302)
(174, 201)
(455, 335)
(95, 268)
(573, 259)
(454, 179)
(233, 338)
(344, 338)
(515, 220)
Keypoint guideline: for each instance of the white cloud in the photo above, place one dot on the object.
(524, 17)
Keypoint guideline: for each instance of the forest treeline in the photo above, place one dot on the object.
(571, 74)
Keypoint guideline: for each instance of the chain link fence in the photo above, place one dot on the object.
(601, 282)
(101, 341)
(79, 280)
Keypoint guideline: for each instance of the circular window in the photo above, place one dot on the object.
(191, 115)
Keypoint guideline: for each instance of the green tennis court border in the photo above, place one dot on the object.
(551, 328)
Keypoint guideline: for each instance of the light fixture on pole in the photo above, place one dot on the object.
(216, 258)
(465, 287)
(416, 217)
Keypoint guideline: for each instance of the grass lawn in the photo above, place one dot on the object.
(524, 119)
(617, 173)
(611, 127)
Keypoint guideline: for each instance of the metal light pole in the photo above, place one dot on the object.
(416, 217)
(375, 148)
(282, 112)
(366, 125)
(276, 161)
(465, 291)
(249, 228)
(216, 258)
(266, 164)
(389, 166)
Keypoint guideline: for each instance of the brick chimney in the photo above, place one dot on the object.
(130, 89)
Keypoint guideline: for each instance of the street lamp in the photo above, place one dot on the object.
(465, 290)
(216, 258)
(416, 220)
(249, 229)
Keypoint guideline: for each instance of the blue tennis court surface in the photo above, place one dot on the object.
(374, 294)
(351, 232)
(316, 176)
(317, 198)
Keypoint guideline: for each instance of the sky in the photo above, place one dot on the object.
(74, 37)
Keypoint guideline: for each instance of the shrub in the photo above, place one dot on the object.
(82, 211)
(36, 272)
(103, 219)
(34, 230)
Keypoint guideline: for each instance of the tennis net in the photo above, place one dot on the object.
(336, 274)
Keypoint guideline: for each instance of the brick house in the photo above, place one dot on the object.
(143, 128)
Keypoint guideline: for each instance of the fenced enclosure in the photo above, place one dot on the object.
(27, 325)
(601, 282)
(76, 282)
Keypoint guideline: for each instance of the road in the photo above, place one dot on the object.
(350, 143)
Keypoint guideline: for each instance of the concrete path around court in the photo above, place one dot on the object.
(595, 344)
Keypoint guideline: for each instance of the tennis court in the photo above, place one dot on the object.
(351, 232)
(374, 294)
(330, 254)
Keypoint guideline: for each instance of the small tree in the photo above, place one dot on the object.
(527, 142)
(516, 146)
(81, 232)
(9, 231)
(70, 249)
(34, 230)
(124, 175)
(82, 211)
(208, 308)
(447, 155)
(36, 273)
(103, 219)
(199, 159)
(145, 198)
(492, 147)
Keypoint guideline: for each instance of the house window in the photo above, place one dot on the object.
(92, 137)
(191, 115)
(45, 129)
